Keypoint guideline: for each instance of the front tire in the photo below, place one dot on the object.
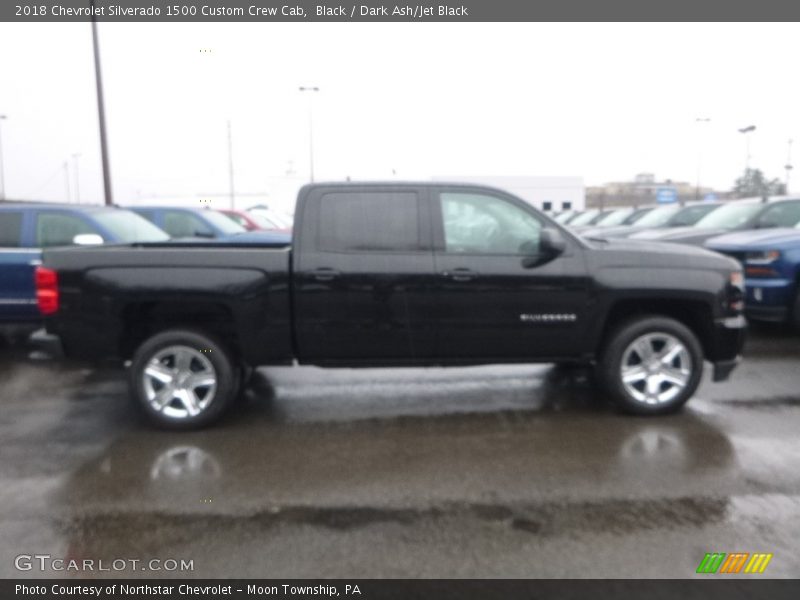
(182, 379)
(651, 365)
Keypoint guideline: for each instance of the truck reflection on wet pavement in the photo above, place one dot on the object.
(497, 471)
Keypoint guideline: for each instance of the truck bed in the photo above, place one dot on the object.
(239, 291)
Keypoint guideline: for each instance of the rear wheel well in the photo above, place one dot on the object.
(146, 319)
(694, 315)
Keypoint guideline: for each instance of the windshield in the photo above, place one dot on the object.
(267, 222)
(565, 216)
(584, 218)
(128, 227)
(729, 216)
(277, 220)
(658, 217)
(615, 217)
(691, 215)
(222, 222)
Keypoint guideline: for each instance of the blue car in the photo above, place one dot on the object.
(186, 223)
(771, 260)
(26, 228)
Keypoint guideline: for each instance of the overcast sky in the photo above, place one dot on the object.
(600, 101)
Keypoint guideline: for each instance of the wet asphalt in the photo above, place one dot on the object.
(497, 471)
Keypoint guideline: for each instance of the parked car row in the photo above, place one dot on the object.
(762, 234)
(27, 228)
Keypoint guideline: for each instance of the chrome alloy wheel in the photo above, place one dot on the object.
(655, 368)
(179, 382)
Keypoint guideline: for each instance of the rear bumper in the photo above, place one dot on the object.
(47, 343)
(728, 342)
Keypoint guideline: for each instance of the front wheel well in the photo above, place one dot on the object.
(695, 315)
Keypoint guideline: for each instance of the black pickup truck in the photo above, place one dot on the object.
(396, 274)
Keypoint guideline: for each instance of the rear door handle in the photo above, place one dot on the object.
(324, 274)
(460, 274)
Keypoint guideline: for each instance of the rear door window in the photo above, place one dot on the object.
(369, 222)
(10, 229)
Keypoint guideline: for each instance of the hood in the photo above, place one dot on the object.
(694, 236)
(757, 238)
(640, 254)
(662, 233)
(620, 231)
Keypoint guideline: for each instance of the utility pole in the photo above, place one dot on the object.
(101, 113)
(788, 166)
(66, 181)
(310, 128)
(700, 146)
(2, 174)
(230, 165)
(746, 131)
(77, 178)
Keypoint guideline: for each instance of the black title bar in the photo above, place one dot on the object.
(411, 11)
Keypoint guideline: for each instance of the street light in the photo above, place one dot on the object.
(230, 166)
(745, 131)
(77, 178)
(310, 129)
(2, 174)
(101, 113)
(700, 143)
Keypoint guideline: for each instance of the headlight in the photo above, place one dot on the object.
(736, 292)
(762, 258)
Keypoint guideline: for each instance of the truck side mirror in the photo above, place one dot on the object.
(551, 242)
(87, 239)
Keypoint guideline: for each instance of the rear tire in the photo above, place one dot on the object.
(795, 317)
(182, 379)
(651, 365)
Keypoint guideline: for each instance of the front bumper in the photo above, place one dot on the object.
(726, 348)
(768, 299)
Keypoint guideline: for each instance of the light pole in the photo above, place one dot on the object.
(2, 174)
(66, 181)
(310, 128)
(101, 113)
(746, 131)
(788, 166)
(77, 178)
(230, 165)
(700, 144)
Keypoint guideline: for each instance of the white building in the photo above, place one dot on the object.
(549, 194)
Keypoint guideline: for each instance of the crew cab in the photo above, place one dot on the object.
(771, 260)
(26, 228)
(397, 274)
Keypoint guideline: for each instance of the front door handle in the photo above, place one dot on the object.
(324, 274)
(460, 274)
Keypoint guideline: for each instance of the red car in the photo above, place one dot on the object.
(254, 222)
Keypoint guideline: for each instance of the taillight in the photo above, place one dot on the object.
(46, 290)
